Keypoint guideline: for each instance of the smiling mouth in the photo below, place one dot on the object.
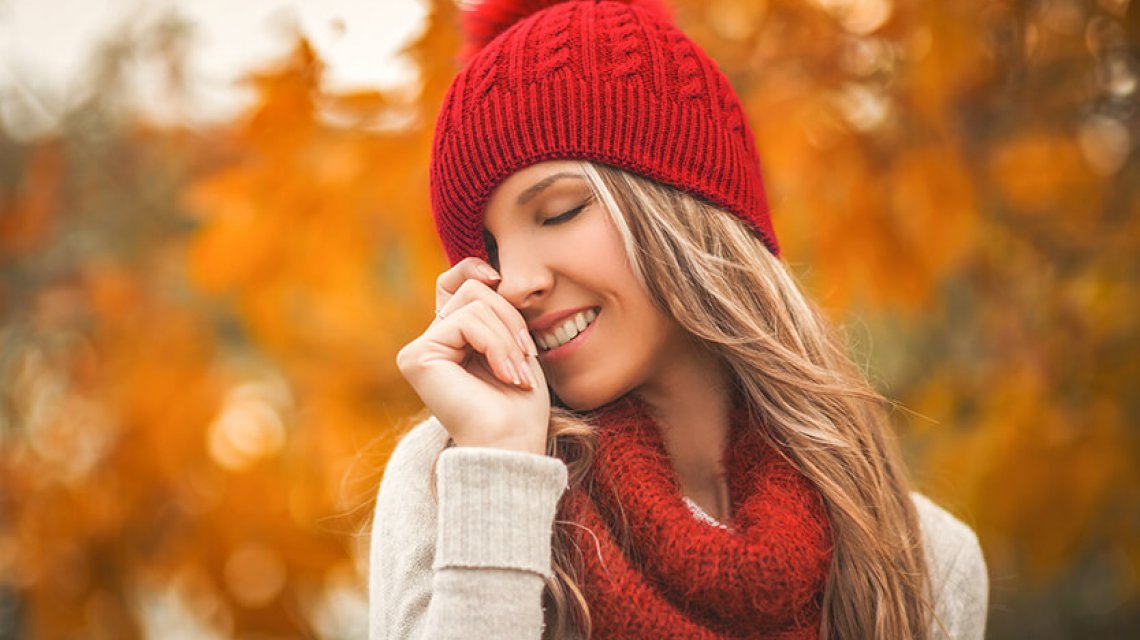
(566, 331)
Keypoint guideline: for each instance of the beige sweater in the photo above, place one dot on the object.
(472, 563)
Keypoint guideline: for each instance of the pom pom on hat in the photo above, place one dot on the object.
(484, 20)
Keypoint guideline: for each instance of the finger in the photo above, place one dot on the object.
(493, 307)
(474, 326)
(517, 358)
(472, 290)
(533, 370)
(470, 268)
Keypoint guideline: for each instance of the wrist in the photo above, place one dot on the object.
(520, 445)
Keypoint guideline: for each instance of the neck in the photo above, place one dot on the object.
(690, 400)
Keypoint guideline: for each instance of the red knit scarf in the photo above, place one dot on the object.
(684, 578)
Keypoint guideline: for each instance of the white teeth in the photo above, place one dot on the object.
(566, 331)
(570, 329)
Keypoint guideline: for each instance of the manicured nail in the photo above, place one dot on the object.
(527, 343)
(531, 380)
(514, 373)
(489, 273)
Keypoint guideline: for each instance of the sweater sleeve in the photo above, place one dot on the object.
(957, 573)
(473, 562)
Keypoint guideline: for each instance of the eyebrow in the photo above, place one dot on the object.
(536, 188)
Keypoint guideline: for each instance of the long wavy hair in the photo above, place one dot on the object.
(703, 267)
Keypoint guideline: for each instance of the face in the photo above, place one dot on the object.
(563, 266)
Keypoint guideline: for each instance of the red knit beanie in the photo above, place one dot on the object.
(610, 81)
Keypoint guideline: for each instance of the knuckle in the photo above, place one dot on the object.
(404, 356)
(468, 263)
(470, 287)
(467, 267)
(499, 351)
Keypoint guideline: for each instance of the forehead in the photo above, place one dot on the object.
(522, 186)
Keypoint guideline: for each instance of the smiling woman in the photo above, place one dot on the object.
(640, 427)
(566, 270)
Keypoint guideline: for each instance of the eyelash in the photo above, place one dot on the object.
(563, 217)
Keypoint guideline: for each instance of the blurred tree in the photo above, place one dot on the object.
(198, 343)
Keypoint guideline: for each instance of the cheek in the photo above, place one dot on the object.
(632, 333)
(628, 361)
(608, 252)
(632, 342)
(594, 248)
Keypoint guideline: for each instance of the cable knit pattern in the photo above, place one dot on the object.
(609, 81)
(623, 30)
(551, 41)
(763, 578)
(486, 72)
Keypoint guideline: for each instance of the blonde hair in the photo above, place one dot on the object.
(702, 266)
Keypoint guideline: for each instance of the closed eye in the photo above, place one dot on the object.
(563, 217)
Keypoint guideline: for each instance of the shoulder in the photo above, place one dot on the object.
(950, 543)
(958, 576)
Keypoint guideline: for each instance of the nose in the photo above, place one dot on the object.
(526, 278)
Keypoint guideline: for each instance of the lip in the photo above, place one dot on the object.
(564, 350)
(553, 318)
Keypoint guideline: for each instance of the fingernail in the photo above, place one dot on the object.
(529, 373)
(514, 373)
(527, 343)
(489, 273)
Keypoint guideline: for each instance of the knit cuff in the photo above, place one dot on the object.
(496, 508)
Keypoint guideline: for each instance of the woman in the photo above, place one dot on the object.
(640, 428)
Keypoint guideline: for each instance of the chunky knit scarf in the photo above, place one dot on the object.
(680, 577)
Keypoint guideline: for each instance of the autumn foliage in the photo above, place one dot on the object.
(198, 328)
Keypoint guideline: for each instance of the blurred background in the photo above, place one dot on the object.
(215, 235)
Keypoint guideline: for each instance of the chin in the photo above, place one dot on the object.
(587, 399)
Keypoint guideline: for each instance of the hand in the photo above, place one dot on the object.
(476, 365)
